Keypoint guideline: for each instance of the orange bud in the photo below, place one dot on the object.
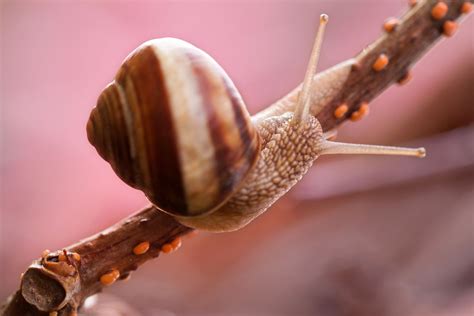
(439, 10)
(341, 110)
(110, 277)
(380, 63)
(141, 248)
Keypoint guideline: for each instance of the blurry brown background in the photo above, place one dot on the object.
(359, 236)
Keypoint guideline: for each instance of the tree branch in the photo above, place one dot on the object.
(62, 280)
(50, 283)
(416, 32)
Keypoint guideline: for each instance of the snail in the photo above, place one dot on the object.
(173, 125)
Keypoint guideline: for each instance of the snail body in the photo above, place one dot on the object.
(206, 162)
(173, 125)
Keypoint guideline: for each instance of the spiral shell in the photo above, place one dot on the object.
(173, 125)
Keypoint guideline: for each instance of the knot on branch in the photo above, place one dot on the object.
(51, 282)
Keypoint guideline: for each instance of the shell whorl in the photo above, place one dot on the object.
(173, 124)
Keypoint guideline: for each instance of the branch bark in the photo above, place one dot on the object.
(412, 38)
(51, 284)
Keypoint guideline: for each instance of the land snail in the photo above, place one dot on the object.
(173, 125)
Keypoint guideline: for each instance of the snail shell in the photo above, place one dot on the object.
(173, 125)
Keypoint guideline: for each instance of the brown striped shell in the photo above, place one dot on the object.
(173, 125)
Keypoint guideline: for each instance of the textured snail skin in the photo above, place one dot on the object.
(173, 125)
(288, 151)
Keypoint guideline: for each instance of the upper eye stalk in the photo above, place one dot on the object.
(303, 103)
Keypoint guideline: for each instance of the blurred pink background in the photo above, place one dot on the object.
(359, 236)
